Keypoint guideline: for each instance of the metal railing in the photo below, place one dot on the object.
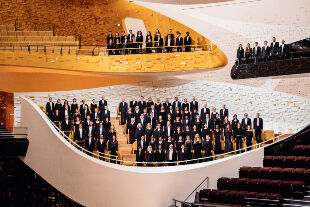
(114, 158)
(98, 50)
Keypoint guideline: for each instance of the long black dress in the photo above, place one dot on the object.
(248, 139)
(217, 139)
(197, 151)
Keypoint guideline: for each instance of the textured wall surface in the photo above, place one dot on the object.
(281, 112)
(93, 19)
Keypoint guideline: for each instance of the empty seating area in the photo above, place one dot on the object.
(281, 181)
(11, 39)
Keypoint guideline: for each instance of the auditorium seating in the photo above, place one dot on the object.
(283, 179)
(11, 39)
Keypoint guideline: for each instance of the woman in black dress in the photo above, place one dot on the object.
(112, 132)
(198, 123)
(185, 105)
(169, 142)
(225, 123)
(188, 132)
(188, 148)
(248, 137)
(149, 44)
(129, 115)
(140, 157)
(177, 123)
(234, 122)
(149, 156)
(117, 37)
(149, 103)
(153, 144)
(207, 148)
(217, 139)
(93, 106)
(186, 113)
(177, 113)
(179, 143)
(178, 134)
(228, 138)
(157, 106)
(139, 132)
(238, 135)
(110, 47)
(74, 106)
(132, 130)
(240, 54)
(162, 113)
(58, 106)
(118, 47)
(66, 103)
(205, 130)
(148, 133)
(194, 132)
(182, 155)
(113, 147)
(213, 114)
(248, 53)
(97, 121)
(139, 39)
(197, 148)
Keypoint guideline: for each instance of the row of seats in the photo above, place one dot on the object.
(26, 33)
(303, 150)
(37, 38)
(219, 197)
(287, 161)
(276, 173)
(284, 188)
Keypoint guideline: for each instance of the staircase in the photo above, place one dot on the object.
(125, 150)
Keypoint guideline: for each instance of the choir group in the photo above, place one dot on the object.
(163, 132)
(132, 44)
(262, 54)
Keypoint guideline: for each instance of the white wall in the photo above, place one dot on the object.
(281, 112)
(94, 183)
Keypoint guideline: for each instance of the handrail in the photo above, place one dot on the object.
(207, 178)
(167, 162)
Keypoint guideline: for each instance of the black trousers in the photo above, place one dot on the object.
(258, 135)
(179, 49)
(123, 119)
(238, 143)
(248, 144)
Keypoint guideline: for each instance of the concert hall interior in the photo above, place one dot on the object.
(157, 103)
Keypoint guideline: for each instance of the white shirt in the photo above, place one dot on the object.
(67, 122)
(100, 131)
(282, 45)
(255, 50)
(95, 115)
(169, 42)
(257, 122)
(51, 105)
(81, 133)
(89, 141)
(101, 140)
(142, 144)
(66, 112)
(168, 131)
(246, 121)
(170, 154)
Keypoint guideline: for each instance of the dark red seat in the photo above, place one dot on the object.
(268, 161)
(264, 172)
(252, 185)
(298, 186)
(253, 172)
(298, 174)
(287, 173)
(274, 186)
(222, 183)
(273, 196)
(262, 185)
(286, 188)
(243, 172)
(278, 161)
(275, 173)
(301, 162)
(307, 176)
(232, 184)
(289, 162)
(243, 184)
(261, 195)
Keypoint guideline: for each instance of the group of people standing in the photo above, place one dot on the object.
(273, 52)
(132, 44)
(170, 132)
(91, 124)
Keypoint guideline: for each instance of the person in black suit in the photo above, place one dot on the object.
(91, 129)
(149, 156)
(50, 108)
(93, 105)
(240, 54)
(169, 43)
(223, 112)
(248, 135)
(110, 37)
(171, 35)
(238, 135)
(158, 133)
(110, 47)
(256, 52)
(117, 47)
(133, 103)
(58, 106)
(166, 104)
(80, 133)
(102, 103)
(152, 120)
(105, 113)
(113, 147)
(274, 49)
(187, 41)
(245, 122)
(204, 111)
(134, 45)
(130, 38)
(160, 155)
(84, 113)
(123, 108)
(258, 127)
(265, 52)
(57, 116)
(248, 53)
(142, 144)
(176, 104)
(283, 50)
(139, 39)
(100, 130)
(193, 105)
(149, 44)
(90, 144)
(102, 143)
(179, 42)
(82, 106)
(142, 121)
(207, 148)
(125, 44)
(142, 104)
(171, 155)
(159, 43)
(66, 125)
(94, 115)
(123, 36)
(169, 131)
(140, 156)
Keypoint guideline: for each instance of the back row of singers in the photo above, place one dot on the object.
(262, 54)
(117, 43)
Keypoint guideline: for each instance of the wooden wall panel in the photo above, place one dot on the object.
(6, 109)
